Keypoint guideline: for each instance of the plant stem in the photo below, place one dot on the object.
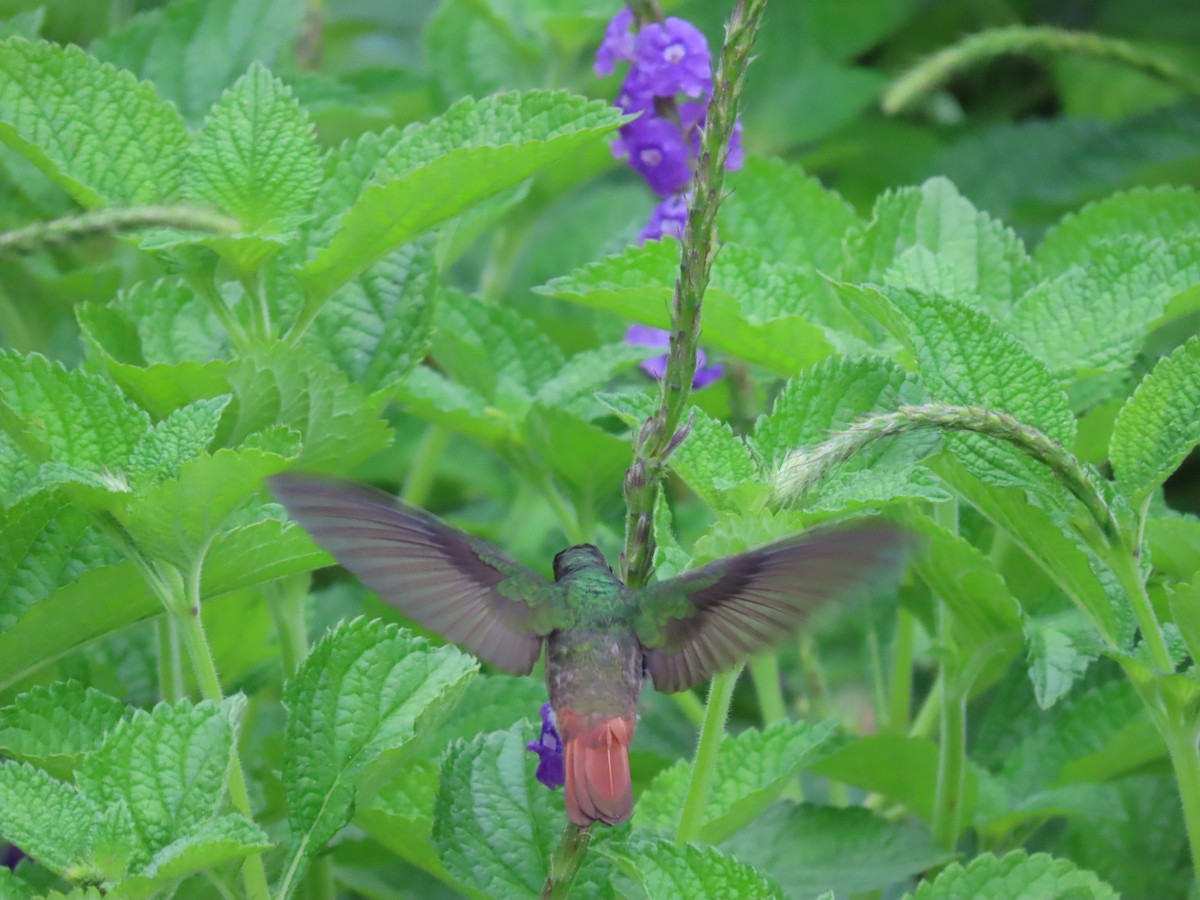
(207, 292)
(254, 875)
(952, 739)
(900, 694)
(287, 599)
(708, 749)
(1022, 39)
(170, 663)
(930, 711)
(114, 221)
(1120, 559)
(564, 865)
(764, 672)
(423, 470)
(691, 706)
(1185, 760)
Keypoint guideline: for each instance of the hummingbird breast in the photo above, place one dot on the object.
(594, 672)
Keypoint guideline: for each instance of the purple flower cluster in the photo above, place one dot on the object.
(670, 61)
(549, 748)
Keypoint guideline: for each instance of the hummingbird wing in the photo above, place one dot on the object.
(706, 620)
(458, 585)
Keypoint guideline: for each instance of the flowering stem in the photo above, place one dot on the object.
(114, 221)
(660, 433)
(704, 766)
(1021, 39)
(564, 865)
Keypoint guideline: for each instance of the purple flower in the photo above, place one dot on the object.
(549, 748)
(656, 367)
(617, 44)
(668, 219)
(658, 153)
(673, 58)
(10, 856)
(737, 153)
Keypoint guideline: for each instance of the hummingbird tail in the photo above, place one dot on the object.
(597, 768)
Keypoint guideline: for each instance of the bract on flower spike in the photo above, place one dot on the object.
(601, 637)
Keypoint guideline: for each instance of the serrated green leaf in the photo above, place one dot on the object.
(360, 698)
(46, 818)
(377, 327)
(759, 311)
(1158, 426)
(1079, 239)
(964, 357)
(193, 49)
(56, 726)
(714, 462)
(825, 399)
(665, 872)
(168, 767)
(256, 157)
(1095, 319)
(96, 131)
(1060, 649)
(474, 150)
(810, 849)
(1037, 877)
(428, 394)
(931, 239)
(207, 845)
(588, 459)
(787, 215)
(495, 825)
(176, 440)
(494, 351)
(282, 385)
(589, 371)
(752, 768)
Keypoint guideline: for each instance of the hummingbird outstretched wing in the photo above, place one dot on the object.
(708, 619)
(457, 585)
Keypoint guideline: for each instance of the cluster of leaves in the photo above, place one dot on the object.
(349, 319)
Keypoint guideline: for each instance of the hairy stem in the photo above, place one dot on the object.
(708, 749)
(1120, 559)
(564, 865)
(114, 221)
(930, 74)
(661, 432)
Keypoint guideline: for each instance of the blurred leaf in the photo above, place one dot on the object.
(76, 119)
(476, 49)
(1060, 650)
(589, 460)
(811, 849)
(1037, 877)
(666, 872)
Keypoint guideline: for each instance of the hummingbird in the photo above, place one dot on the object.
(602, 638)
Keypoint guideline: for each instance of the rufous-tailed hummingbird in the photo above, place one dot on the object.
(602, 637)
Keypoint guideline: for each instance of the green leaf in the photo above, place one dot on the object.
(26, 24)
(193, 49)
(96, 131)
(752, 768)
(1153, 434)
(898, 767)
(210, 844)
(1095, 319)
(666, 872)
(588, 459)
(56, 726)
(713, 461)
(167, 766)
(474, 150)
(588, 371)
(46, 818)
(364, 693)
(811, 849)
(256, 157)
(177, 439)
(830, 396)
(1185, 611)
(495, 824)
(1037, 877)
(965, 358)
(282, 385)
(1061, 648)
(931, 239)
(13, 887)
(787, 215)
(1080, 238)
(428, 394)
(377, 327)
(760, 311)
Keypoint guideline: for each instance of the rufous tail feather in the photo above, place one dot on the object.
(597, 768)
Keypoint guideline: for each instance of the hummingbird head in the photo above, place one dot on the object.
(578, 558)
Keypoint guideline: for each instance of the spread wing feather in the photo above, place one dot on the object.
(720, 613)
(460, 586)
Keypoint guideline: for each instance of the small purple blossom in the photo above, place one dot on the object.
(656, 367)
(617, 45)
(10, 856)
(658, 153)
(549, 748)
(673, 58)
(668, 220)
